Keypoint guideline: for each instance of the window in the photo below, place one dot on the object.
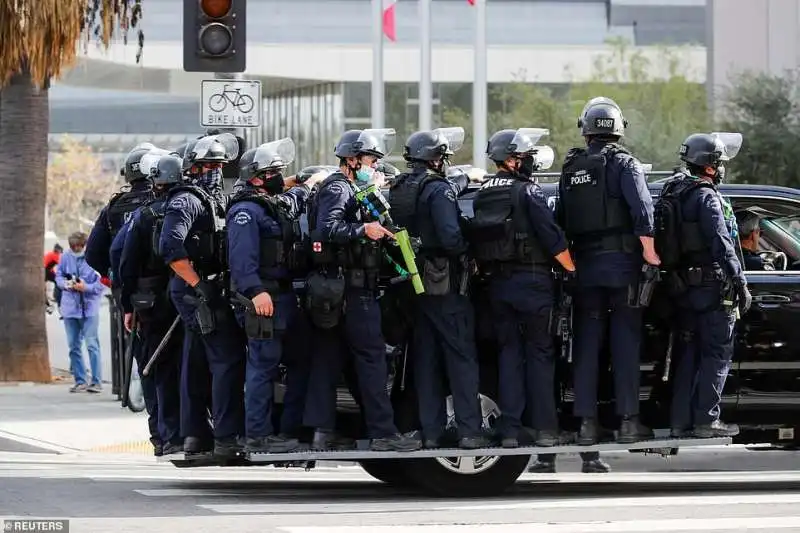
(780, 229)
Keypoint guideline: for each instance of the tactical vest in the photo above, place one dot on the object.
(594, 220)
(274, 250)
(679, 242)
(206, 243)
(499, 230)
(363, 254)
(122, 205)
(404, 195)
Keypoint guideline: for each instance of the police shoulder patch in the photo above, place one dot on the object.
(180, 202)
(242, 218)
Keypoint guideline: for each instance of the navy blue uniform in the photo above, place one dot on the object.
(335, 219)
(444, 348)
(190, 232)
(521, 296)
(144, 279)
(605, 207)
(257, 248)
(706, 326)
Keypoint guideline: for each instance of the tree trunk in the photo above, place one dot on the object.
(24, 126)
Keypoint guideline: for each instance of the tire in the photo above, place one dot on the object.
(393, 472)
(217, 103)
(466, 476)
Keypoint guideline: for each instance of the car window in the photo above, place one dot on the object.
(780, 226)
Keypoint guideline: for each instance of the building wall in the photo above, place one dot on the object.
(758, 35)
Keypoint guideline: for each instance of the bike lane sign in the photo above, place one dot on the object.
(230, 103)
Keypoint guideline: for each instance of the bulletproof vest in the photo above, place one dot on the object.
(361, 254)
(678, 240)
(206, 243)
(154, 274)
(594, 220)
(499, 230)
(274, 250)
(123, 204)
(404, 195)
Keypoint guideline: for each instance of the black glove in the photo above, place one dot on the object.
(208, 292)
(744, 297)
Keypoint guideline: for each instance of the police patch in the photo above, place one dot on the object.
(179, 202)
(604, 123)
(242, 218)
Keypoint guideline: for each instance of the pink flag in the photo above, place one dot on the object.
(388, 20)
(471, 2)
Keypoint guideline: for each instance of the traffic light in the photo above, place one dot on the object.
(214, 35)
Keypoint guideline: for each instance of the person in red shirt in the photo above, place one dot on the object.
(51, 260)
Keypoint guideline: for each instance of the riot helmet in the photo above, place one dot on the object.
(705, 153)
(188, 166)
(263, 167)
(520, 146)
(602, 116)
(168, 171)
(149, 161)
(366, 146)
(307, 172)
(433, 148)
(215, 149)
(132, 170)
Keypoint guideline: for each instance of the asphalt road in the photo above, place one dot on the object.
(647, 494)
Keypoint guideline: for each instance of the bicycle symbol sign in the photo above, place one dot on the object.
(230, 103)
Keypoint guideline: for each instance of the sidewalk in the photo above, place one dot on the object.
(49, 417)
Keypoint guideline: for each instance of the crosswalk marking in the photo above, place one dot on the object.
(691, 524)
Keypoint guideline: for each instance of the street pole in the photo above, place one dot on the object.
(425, 82)
(377, 107)
(479, 88)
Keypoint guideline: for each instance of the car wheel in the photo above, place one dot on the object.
(468, 476)
(393, 472)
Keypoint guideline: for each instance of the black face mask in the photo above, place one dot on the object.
(274, 184)
(525, 168)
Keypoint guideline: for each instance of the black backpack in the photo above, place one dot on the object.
(668, 218)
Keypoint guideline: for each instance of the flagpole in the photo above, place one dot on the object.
(479, 88)
(378, 95)
(425, 82)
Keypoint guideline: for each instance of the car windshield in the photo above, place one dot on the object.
(790, 225)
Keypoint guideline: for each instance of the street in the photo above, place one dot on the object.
(690, 493)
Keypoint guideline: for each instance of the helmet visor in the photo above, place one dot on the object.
(274, 154)
(732, 142)
(454, 137)
(228, 141)
(377, 142)
(149, 161)
(525, 139)
(543, 157)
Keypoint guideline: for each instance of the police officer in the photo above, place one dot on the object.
(708, 287)
(607, 213)
(145, 278)
(119, 209)
(425, 202)
(516, 238)
(261, 247)
(192, 244)
(749, 225)
(347, 253)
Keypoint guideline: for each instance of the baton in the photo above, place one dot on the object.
(668, 359)
(160, 347)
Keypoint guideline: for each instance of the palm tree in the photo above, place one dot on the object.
(38, 40)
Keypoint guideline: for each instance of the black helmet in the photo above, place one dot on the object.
(710, 149)
(132, 170)
(271, 156)
(215, 149)
(387, 169)
(187, 163)
(602, 116)
(168, 171)
(433, 145)
(507, 143)
(375, 142)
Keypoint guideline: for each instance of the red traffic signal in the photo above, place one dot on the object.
(214, 35)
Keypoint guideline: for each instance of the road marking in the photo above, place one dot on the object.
(708, 524)
(36, 443)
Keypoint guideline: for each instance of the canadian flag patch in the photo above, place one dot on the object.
(317, 247)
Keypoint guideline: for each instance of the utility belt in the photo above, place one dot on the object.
(682, 279)
(150, 291)
(442, 275)
(618, 241)
(209, 314)
(507, 269)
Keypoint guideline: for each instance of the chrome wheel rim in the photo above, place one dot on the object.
(490, 414)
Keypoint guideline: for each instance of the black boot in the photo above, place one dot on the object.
(396, 443)
(546, 438)
(282, 444)
(543, 467)
(227, 447)
(587, 435)
(325, 440)
(474, 443)
(631, 431)
(717, 428)
(196, 445)
(595, 466)
(171, 448)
